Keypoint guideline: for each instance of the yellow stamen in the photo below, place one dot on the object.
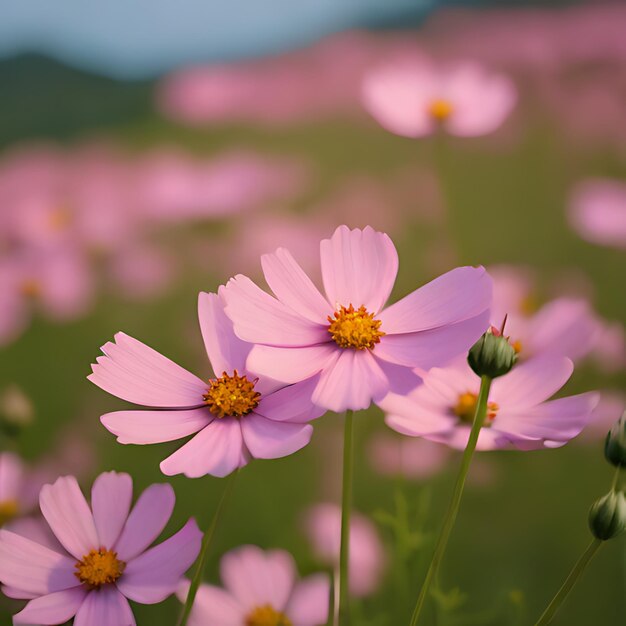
(517, 346)
(8, 510)
(99, 567)
(231, 396)
(355, 328)
(267, 615)
(440, 109)
(465, 409)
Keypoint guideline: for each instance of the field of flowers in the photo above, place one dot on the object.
(334, 228)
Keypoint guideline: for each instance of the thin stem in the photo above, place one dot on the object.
(569, 583)
(453, 508)
(615, 478)
(346, 504)
(204, 549)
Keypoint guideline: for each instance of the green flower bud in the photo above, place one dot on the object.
(615, 444)
(492, 355)
(607, 516)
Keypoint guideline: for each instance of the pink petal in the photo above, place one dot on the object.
(291, 404)
(267, 439)
(458, 295)
(33, 568)
(105, 607)
(54, 608)
(401, 379)
(256, 577)
(431, 348)
(260, 318)
(351, 382)
(11, 476)
(18, 594)
(359, 267)
(143, 427)
(309, 602)
(212, 606)
(291, 365)
(225, 350)
(216, 450)
(294, 288)
(155, 574)
(134, 372)
(68, 515)
(408, 416)
(111, 496)
(531, 382)
(146, 521)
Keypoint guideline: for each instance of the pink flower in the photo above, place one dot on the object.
(367, 557)
(414, 98)
(597, 212)
(234, 416)
(16, 496)
(442, 409)
(261, 589)
(346, 345)
(105, 560)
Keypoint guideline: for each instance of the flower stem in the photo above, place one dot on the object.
(569, 583)
(346, 504)
(453, 508)
(615, 481)
(206, 543)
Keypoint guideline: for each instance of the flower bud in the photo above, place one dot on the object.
(16, 410)
(615, 444)
(607, 516)
(492, 355)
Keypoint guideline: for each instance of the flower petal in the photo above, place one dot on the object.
(267, 439)
(294, 288)
(256, 577)
(11, 476)
(291, 365)
(461, 294)
(291, 403)
(111, 496)
(155, 574)
(33, 568)
(105, 607)
(225, 350)
(260, 318)
(309, 602)
(212, 606)
(134, 372)
(142, 427)
(146, 521)
(216, 450)
(351, 382)
(359, 267)
(54, 608)
(68, 515)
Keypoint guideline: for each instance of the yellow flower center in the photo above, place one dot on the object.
(440, 109)
(267, 615)
(355, 328)
(99, 567)
(59, 219)
(231, 396)
(465, 409)
(30, 288)
(8, 510)
(517, 346)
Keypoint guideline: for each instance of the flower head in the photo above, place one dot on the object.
(102, 558)
(346, 344)
(518, 411)
(234, 415)
(260, 589)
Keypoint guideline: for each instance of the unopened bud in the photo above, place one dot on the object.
(492, 355)
(607, 516)
(615, 444)
(16, 410)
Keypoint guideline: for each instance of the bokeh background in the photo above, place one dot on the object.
(153, 150)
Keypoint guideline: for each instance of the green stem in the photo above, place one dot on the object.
(206, 542)
(346, 504)
(569, 583)
(615, 478)
(453, 508)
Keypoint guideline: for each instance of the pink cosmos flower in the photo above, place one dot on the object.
(414, 98)
(233, 417)
(17, 496)
(261, 589)
(518, 415)
(597, 212)
(346, 345)
(104, 560)
(367, 556)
